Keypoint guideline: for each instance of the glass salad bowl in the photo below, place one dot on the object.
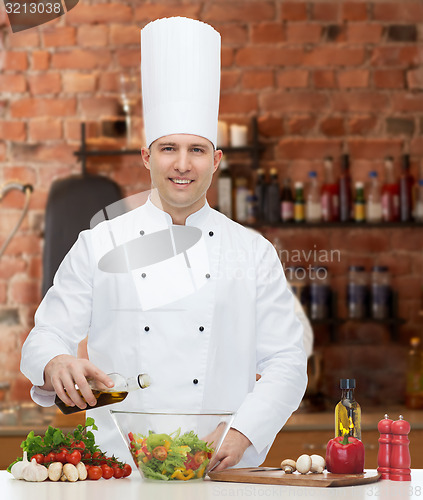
(172, 446)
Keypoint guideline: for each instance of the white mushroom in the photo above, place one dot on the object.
(303, 464)
(318, 464)
(82, 471)
(288, 466)
(55, 471)
(71, 473)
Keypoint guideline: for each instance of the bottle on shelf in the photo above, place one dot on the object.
(381, 295)
(348, 411)
(299, 202)
(320, 293)
(108, 395)
(260, 195)
(418, 208)
(330, 193)
(313, 212)
(390, 193)
(345, 197)
(287, 201)
(241, 199)
(357, 292)
(359, 203)
(224, 189)
(414, 386)
(405, 189)
(374, 201)
(273, 199)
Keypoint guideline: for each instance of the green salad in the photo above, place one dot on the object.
(171, 457)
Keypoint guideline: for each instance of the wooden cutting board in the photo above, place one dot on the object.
(270, 475)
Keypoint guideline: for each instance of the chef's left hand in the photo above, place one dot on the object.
(231, 451)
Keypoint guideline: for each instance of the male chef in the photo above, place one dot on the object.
(201, 321)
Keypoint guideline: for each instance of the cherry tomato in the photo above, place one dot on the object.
(78, 444)
(74, 457)
(200, 456)
(107, 471)
(94, 472)
(97, 456)
(127, 469)
(61, 455)
(87, 467)
(50, 457)
(160, 453)
(39, 458)
(117, 472)
(86, 455)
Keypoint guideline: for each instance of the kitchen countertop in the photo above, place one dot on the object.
(134, 488)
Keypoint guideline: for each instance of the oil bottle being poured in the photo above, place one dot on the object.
(348, 411)
(105, 395)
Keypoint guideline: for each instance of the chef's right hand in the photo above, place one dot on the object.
(64, 371)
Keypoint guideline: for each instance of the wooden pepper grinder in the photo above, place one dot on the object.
(385, 445)
(400, 454)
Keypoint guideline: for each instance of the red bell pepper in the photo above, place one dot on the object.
(345, 455)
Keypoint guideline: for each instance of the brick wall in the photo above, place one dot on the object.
(323, 77)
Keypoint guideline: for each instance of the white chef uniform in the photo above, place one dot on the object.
(240, 323)
(203, 348)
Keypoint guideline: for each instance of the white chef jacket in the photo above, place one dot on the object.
(241, 322)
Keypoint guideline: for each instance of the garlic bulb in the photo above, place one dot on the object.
(35, 472)
(18, 468)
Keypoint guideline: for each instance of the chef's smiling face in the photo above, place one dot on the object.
(181, 169)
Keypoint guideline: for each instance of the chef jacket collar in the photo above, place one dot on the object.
(196, 219)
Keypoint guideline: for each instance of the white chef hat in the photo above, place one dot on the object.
(180, 71)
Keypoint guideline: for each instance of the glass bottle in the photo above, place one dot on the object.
(330, 193)
(373, 202)
(418, 209)
(359, 203)
(380, 292)
(320, 293)
(273, 198)
(390, 193)
(287, 202)
(357, 292)
(260, 194)
(313, 202)
(224, 189)
(405, 189)
(414, 387)
(348, 411)
(108, 395)
(299, 202)
(345, 190)
(241, 199)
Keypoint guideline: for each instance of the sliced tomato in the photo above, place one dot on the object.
(160, 453)
(200, 456)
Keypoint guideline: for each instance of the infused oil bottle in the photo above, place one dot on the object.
(348, 411)
(105, 395)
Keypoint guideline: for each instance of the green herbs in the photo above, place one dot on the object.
(54, 439)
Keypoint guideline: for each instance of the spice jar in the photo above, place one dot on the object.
(381, 292)
(357, 292)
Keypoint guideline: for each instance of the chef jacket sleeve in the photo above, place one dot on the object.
(280, 356)
(63, 318)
